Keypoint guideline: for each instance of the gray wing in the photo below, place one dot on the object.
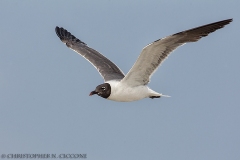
(155, 53)
(107, 69)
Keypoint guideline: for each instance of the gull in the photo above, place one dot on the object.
(133, 86)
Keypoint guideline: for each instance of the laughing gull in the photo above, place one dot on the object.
(133, 85)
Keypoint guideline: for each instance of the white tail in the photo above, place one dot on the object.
(162, 95)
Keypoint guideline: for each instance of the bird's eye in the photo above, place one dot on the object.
(103, 88)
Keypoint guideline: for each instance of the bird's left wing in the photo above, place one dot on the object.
(155, 53)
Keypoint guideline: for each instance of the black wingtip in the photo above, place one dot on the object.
(57, 30)
(227, 21)
(61, 33)
(64, 35)
(222, 23)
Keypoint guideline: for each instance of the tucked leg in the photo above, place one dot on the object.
(154, 97)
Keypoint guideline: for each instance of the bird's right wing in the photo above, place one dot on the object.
(107, 69)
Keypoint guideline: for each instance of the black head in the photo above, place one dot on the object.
(103, 90)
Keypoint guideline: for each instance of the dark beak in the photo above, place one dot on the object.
(92, 93)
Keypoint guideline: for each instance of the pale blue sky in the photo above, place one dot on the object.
(44, 86)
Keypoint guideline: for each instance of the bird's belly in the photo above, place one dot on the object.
(126, 94)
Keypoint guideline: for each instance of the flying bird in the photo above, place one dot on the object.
(133, 86)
